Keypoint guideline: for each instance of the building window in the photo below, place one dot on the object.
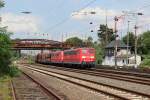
(123, 60)
(118, 50)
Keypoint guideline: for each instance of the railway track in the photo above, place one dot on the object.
(139, 78)
(13, 91)
(51, 94)
(132, 73)
(112, 91)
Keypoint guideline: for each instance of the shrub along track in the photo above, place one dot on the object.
(113, 91)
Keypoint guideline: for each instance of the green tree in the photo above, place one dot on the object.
(144, 48)
(105, 35)
(90, 39)
(5, 51)
(131, 40)
(74, 41)
(2, 3)
(146, 61)
(89, 42)
(145, 43)
(99, 53)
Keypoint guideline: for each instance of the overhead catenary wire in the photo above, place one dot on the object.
(59, 5)
(82, 8)
(69, 17)
(85, 6)
(135, 11)
(143, 7)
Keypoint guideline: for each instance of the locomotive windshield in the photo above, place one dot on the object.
(91, 51)
(85, 51)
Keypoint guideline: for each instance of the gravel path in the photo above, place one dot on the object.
(26, 89)
(113, 82)
(73, 92)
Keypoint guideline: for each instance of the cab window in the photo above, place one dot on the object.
(84, 51)
(91, 51)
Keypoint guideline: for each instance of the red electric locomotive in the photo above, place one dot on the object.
(83, 57)
(79, 57)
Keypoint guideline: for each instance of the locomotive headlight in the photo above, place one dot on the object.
(83, 56)
(92, 57)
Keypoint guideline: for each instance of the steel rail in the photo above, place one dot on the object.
(13, 91)
(139, 74)
(115, 95)
(128, 78)
(48, 91)
(118, 76)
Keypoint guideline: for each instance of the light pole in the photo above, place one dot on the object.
(135, 47)
(115, 30)
(106, 36)
(116, 19)
(128, 42)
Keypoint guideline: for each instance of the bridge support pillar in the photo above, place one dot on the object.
(19, 53)
(41, 51)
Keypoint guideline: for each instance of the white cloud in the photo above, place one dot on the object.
(20, 23)
(100, 13)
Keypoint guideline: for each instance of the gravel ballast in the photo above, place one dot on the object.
(118, 83)
(72, 91)
(25, 89)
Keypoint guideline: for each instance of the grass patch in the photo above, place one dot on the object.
(5, 88)
(30, 60)
(5, 83)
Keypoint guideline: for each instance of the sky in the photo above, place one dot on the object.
(49, 19)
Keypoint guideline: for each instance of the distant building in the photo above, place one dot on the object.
(122, 54)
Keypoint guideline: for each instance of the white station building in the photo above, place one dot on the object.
(124, 56)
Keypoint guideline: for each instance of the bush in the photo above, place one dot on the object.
(99, 53)
(31, 60)
(146, 61)
(14, 71)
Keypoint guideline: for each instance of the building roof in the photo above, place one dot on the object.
(120, 44)
(125, 56)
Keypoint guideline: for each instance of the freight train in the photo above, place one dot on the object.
(79, 57)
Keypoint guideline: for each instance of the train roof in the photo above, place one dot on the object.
(77, 49)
